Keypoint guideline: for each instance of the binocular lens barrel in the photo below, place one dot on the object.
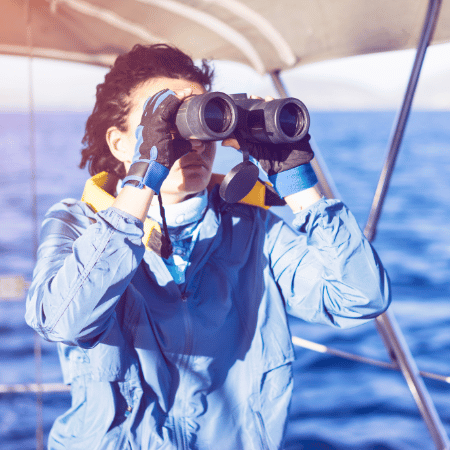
(217, 115)
(208, 117)
(214, 116)
(285, 121)
(291, 119)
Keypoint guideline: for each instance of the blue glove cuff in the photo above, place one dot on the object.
(153, 178)
(293, 180)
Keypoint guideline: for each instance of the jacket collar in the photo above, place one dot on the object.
(98, 199)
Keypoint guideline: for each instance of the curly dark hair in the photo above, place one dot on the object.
(113, 98)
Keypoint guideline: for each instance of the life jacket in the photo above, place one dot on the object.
(262, 195)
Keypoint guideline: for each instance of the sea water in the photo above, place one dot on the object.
(337, 403)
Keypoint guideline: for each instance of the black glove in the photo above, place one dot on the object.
(287, 165)
(156, 149)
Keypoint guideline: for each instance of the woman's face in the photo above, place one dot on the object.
(191, 173)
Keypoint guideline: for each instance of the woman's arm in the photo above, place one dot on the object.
(85, 262)
(303, 199)
(328, 272)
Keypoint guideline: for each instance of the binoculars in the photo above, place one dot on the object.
(214, 116)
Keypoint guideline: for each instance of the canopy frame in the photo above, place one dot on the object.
(386, 323)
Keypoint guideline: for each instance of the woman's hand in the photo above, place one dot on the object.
(156, 150)
(157, 147)
(287, 166)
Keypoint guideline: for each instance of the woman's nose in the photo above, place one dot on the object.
(197, 145)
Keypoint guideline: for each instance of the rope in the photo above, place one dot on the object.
(34, 214)
(320, 348)
(46, 388)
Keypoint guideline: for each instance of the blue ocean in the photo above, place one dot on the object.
(338, 404)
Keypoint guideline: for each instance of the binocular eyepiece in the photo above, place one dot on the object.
(214, 116)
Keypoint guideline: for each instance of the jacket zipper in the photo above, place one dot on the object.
(187, 351)
(187, 329)
(263, 431)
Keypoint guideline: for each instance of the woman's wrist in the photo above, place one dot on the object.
(134, 201)
(303, 199)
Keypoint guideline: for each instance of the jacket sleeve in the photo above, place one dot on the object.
(328, 272)
(84, 265)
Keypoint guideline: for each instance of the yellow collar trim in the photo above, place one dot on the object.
(98, 199)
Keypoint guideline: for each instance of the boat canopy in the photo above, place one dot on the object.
(267, 35)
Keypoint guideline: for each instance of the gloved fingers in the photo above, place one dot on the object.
(231, 142)
(164, 104)
(301, 148)
(267, 98)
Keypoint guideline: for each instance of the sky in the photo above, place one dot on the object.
(363, 82)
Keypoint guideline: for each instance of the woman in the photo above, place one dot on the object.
(190, 350)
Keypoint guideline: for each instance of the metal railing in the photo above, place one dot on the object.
(386, 323)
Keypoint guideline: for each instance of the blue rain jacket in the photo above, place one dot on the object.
(206, 364)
